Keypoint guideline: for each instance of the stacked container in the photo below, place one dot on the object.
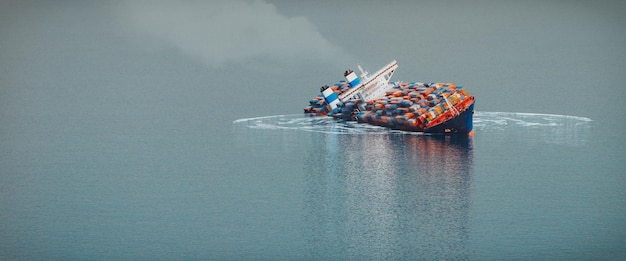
(408, 106)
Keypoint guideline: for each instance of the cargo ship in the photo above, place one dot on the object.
(438, 108)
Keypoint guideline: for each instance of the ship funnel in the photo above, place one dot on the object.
(352, 78)
(330, 96)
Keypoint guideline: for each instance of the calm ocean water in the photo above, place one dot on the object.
(134, 131)
(522, 188)
(527, 186)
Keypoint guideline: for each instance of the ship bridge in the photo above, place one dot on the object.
(369, 88)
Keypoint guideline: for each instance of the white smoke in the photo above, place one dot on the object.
(224, 31)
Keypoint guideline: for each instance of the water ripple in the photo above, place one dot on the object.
(483, 121)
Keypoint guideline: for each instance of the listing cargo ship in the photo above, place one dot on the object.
(438, 108)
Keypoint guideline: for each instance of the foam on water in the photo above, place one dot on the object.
(483, 121)
(549, 128)
(323, 124)
(499, 120)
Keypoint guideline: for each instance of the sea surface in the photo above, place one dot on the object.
(167, 130)
(286, 187)
(514, 191)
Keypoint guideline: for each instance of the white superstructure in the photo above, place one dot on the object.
(366, 87)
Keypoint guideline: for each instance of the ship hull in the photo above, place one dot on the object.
(463, 123)
(410, 108)
(434, 108)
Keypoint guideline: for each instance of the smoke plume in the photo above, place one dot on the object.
(219, 32)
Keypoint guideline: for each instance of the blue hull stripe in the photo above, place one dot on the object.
(331, 98)
(355, 82)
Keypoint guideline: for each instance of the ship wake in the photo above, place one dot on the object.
(483, 122)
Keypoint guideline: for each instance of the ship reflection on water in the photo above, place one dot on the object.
(391, 196)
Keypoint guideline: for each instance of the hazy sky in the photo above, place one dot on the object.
(515, 56)
(219, 32)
